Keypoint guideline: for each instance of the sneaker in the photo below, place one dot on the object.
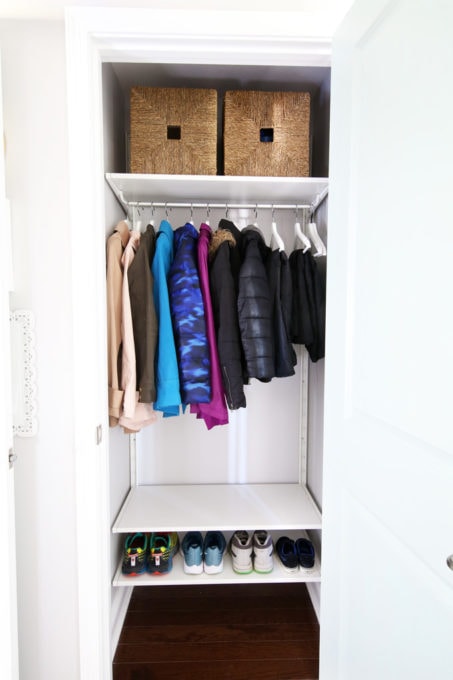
(241, 552)
(263, 548)
(161, 550)
(286, 550)
(134, 554)
(305, 553)
(213, 548)
(192, 551)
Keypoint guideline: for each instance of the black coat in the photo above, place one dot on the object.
(309, 304)
(224, 263)
(254, 307)
(279, 277)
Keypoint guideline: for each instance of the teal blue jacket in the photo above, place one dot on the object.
(168, 397)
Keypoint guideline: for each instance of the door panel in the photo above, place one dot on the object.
(8, 637)
(387, 595)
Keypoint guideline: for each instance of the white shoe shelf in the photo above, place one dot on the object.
(281, 509)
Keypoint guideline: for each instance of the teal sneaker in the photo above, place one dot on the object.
(192, 551)
(161, 550)
(213, 548)
(134, 554)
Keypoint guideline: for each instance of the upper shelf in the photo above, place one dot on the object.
(220, 189)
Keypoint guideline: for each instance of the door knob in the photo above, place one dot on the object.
(450, 562)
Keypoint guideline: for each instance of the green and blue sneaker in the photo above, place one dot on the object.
(134, 554)
(161, 550)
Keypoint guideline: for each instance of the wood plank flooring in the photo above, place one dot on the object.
(234, 632)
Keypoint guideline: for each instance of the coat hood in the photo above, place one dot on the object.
(218, 237)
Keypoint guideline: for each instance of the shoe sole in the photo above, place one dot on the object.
(193, 569)
(242, 571)
(289, 570)
(214, 568)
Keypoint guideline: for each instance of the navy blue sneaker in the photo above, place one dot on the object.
(305, 553)
(213, 548)
(286, 550)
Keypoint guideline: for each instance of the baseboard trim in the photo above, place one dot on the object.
(120, 603)
(314, 590)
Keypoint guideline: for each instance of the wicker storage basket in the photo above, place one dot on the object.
(173, 131)
(267, 133)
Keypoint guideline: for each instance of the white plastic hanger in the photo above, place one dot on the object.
(315, 237)
(300, 236)
(136, 224)
(275, 236)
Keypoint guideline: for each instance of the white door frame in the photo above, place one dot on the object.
(8, 638)
(94, 36)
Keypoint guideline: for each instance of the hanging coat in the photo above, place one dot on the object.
(134, 415)
(308, 319)
(116, 244)
(254, 308)
(144, 315)
(224, 266)
(214, 412)
(279, 277)
(168, 399)
(188, 318)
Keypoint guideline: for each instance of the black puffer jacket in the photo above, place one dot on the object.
(254, 307)
(224, 264)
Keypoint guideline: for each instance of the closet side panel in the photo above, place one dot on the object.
(315, 427)
(119, 467)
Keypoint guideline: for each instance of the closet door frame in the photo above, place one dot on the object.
(94, 36)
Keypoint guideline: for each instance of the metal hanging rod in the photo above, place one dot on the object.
(229, 206)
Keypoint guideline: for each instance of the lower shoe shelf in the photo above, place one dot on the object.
(177, 576)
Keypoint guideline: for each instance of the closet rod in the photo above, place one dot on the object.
(229, 206)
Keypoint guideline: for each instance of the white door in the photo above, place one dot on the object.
(387, 593)
(8, 627)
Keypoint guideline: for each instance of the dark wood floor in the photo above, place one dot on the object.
(239, 632)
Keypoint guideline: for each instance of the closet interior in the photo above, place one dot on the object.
(264, 469)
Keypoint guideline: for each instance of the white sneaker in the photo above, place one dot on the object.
(241, 552)
(263, 549)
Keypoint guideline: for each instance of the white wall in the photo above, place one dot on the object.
(333, 10)
(33, 71)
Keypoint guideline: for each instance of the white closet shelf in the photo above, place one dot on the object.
(217, 189)
(177, 576)
(227, 507)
